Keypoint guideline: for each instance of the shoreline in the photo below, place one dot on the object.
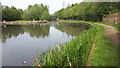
(22, 23)
(87, 39)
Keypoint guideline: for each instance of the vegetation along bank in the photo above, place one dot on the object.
(76, 52)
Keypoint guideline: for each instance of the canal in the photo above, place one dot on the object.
(21, 43)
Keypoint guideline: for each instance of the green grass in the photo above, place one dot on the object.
(74, 21)
(76, 52)
(106, 53)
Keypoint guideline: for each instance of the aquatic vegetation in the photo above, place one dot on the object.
(74, 53)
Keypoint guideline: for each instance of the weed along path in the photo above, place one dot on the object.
(104, 51)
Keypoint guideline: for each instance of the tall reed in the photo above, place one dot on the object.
(74, 53)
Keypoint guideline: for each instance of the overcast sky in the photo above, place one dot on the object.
(54, 5)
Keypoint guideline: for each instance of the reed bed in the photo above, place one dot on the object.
(73, 54)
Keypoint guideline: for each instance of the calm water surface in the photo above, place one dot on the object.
(21, 42)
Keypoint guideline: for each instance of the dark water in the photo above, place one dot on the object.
(21, 42)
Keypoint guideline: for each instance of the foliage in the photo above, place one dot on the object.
(0, 12)
(88, 11)
(11, 14)
(36, 12)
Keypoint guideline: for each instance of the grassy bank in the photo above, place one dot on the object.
(105, 52)
(76, 52)
(73, 53)
(105, 47)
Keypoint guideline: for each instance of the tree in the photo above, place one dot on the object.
(36, 12)
(0, 13)
(88, 11)
(11, 14)
(20, 11)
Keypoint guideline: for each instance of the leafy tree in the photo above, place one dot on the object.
(11, 14)
(0, 13)
(20, 11)
(36, 12)
(106, 8)
(88, 11)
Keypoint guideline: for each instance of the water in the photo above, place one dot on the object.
(21, 42)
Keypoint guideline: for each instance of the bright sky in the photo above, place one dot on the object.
(54, 5)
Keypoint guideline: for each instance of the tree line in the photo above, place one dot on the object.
(88, 11)
(33, 12)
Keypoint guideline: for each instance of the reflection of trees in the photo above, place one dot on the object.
(37, 30)
(33, 30)
(73, 29)
(11, 31)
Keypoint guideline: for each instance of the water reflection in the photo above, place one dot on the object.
(37, 30)
(73, 29)
(21, 42)
(34, 31)
(11, 31)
